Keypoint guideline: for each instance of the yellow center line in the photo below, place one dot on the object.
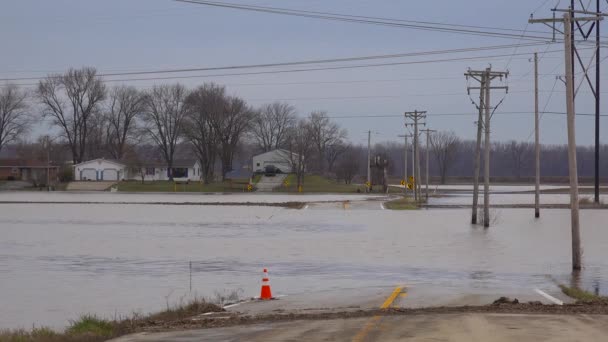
(371, 324)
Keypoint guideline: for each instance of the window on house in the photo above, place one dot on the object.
(149, 171)
(258, 164)
(15, 170)
(180, 172)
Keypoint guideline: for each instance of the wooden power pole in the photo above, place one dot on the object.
(568, 20)
(428, 143)
(416, 118)
(485, 77)
(405, 136)
(536, 141)
(369, 157)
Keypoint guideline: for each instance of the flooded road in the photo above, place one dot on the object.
(58, 261)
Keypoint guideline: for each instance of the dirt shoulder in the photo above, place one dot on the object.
(233, 319)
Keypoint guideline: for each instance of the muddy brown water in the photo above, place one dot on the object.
(58, 261)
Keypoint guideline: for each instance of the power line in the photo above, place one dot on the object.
(295, 63)
(309, 69)
(427, 26)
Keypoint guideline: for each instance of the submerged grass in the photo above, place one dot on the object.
(403, 203)
(90, 328)
(583, 296)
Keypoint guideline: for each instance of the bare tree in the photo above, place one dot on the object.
(301, 147)
(271, 123)
(230, 125)
(324, 134)
(205, 103)
(124, 106)
(445, 148)
(14, 117)
(520, 153)
(348, 165)
(165, 112)
(72, 101)
(333, 152)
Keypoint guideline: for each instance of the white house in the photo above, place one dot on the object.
(281, 159)
(111, 170)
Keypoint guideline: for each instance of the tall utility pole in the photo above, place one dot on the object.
(369, 157)
(428, 148)
(416, 118)
(568, 20)
(597, 107)
(585, 32)
(477, 158)
(485, 77)
(536, 141)
(405, 163)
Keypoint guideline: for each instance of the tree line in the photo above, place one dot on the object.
(94, 120)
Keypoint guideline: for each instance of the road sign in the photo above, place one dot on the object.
(402, 182)
(410, 186)
(368, 184)
(249, 187)
(411, 179)
(286, 183)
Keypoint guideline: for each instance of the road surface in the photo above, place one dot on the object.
(438, 327)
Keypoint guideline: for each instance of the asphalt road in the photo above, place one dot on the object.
(438, 327)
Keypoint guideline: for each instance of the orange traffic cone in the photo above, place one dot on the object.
(266, 292)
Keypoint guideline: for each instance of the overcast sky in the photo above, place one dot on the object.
(41, 36)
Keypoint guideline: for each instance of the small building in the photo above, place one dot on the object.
(28, 170)
(112, 170)
(280, 159)
(100, 170)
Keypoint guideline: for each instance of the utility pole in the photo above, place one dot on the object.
(405, 163)
(369, 157)
(568, 20)
(485, 77)
(536, 141)
(416, 117)
(597, 107)
(428, 148)
(585, 32)
(477, 160)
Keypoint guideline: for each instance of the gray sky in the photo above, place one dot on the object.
(41, 36)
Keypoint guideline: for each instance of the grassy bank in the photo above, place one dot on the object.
(401, 204)
(89, 328)
(583, 296)
(235, 185)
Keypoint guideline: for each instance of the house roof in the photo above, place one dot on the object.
(176, 163)
(26, 163)
(102, 159)
(280, 150)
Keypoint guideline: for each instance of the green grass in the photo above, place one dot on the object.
(256, 178)
(236, 185)
(401, 204)
(90, 328)
(319, 184)
(582, 296)
(91, 325)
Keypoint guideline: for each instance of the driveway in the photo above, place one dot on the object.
(268, 184)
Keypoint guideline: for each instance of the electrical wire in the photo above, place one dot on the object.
(427, 26)
(296, 63)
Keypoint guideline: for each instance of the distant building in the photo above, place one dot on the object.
(281, 159)
(27, 170)
(112, 170)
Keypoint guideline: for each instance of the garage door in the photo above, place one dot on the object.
(109, 175)
(88, 174)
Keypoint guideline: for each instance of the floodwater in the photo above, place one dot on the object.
(58, 261)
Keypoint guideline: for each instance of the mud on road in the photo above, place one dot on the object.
(225, 319)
